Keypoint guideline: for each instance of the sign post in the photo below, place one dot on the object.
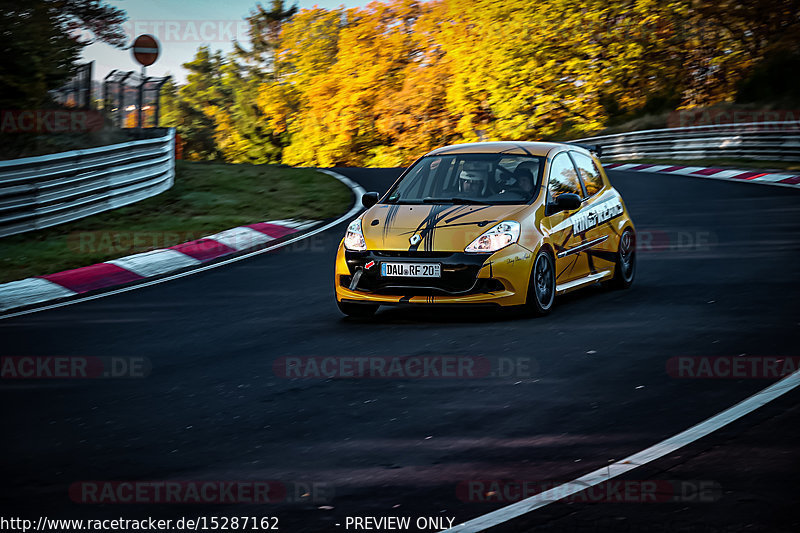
(145, 52)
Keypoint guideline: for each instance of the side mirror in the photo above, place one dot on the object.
(368, 199)
(567, 202)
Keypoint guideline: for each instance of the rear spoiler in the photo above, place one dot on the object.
(595, 148)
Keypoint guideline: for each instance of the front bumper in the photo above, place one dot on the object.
(500, 278)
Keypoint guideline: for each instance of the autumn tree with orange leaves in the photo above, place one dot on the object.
(380, 85)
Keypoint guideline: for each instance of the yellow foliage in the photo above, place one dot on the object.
(380, 85)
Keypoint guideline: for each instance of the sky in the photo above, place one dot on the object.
(181, 27)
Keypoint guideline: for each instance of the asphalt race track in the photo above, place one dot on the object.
(716, 277)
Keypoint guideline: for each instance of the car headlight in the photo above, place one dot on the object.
(498, 237)
(354, 238)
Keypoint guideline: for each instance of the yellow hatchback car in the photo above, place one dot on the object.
(498, 223)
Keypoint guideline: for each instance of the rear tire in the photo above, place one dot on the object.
(542, 285)
(357, 310)
(625, 268)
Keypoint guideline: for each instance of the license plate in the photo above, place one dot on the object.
(412, 270)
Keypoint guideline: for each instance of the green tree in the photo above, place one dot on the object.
(41, 40)
(242, 131)
(192, 108)
(264, 29)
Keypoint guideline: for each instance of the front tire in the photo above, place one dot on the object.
(542, 285)
(357, 310)
(625, 268)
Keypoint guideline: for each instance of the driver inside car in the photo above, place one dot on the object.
(523, 181)
(473, 179)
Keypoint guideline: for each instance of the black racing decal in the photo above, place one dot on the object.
(425, 221)
(521, 148)
(456, 210)
(591, 254)
(563, 246)
(589, 258)
(390, 215)
(605, 255)
(471, 211)
(569, 266)
(480, 224)
(427, 227)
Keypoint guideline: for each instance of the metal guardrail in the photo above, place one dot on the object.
(775, 141)
(38, 192)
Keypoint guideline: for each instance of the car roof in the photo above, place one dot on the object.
(505, 147)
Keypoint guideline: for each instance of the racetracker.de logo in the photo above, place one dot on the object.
(118, 242)
(611, 491)
(675, 240)
(203, 492)
(73, 367)
(190, 31)
(49, 121)
(407, 367)
(731, 367)
(704, 116)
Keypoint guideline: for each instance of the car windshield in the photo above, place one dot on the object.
(470, 179)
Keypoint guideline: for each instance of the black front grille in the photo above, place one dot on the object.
(459, 274)
(412, 255)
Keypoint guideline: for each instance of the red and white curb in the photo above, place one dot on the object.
(145, 265)
(249, 241)
(754, 176)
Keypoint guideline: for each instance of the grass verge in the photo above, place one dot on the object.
(207, 198)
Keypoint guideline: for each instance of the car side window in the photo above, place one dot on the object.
(563, 177)
(589, 172)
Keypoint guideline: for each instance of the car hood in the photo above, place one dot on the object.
(440, 228)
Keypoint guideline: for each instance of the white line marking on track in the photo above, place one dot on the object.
(358, 192)
(657, 451)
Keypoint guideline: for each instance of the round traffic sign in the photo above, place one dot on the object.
(145, 50)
